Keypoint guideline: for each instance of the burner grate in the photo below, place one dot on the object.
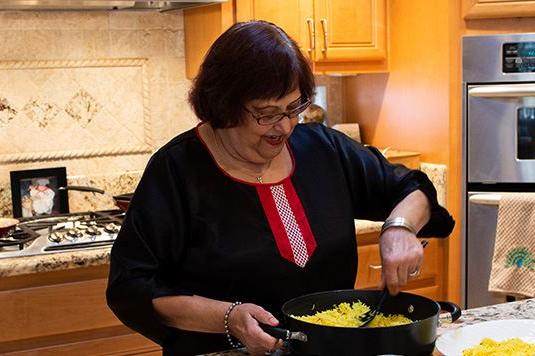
(20, 236)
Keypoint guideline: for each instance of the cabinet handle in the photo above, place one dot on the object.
(324, 28)
(311, 35)
(375, 266)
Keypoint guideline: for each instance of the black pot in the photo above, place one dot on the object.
(123, 200)
(417, 338)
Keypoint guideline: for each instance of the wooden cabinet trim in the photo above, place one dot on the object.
(479, 9)
(117, 340)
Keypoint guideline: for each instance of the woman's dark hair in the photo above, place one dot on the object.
(251, 60)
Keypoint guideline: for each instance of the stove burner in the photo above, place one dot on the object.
(20, 236)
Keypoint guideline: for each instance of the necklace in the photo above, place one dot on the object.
(219, 142)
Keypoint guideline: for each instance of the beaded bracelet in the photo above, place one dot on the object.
(227, 331)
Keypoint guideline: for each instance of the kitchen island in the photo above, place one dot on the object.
(524, 309)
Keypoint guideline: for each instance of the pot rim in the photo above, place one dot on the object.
(330, 327)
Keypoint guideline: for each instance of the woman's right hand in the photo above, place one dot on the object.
(243, 324)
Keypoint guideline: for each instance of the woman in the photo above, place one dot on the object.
(250, 207)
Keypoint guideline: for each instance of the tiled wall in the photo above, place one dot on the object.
(31, 38)
(71, 97)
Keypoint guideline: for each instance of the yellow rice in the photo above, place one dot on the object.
(347, 315)
(509, 347)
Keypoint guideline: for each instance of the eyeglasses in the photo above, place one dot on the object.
(272, 119)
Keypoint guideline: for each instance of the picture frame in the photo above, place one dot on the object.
(35, 192)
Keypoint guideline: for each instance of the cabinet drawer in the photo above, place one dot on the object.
(53, 310)
(369, 268)
(64, 313)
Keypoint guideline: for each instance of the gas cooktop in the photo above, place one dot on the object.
(64, 232)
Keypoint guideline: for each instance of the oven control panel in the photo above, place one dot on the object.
(518, 57)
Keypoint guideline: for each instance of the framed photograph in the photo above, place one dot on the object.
(35, 192)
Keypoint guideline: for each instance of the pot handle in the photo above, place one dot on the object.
(82, 189)
(283, 334)
(453, 309)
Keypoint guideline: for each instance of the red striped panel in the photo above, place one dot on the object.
(288, 221)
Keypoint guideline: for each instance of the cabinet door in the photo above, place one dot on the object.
(479, 9)
(295, 17)
(350, 30)
(202, 26)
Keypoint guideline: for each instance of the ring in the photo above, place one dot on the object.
(415, 273)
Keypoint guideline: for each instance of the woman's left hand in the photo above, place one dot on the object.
(401, 255)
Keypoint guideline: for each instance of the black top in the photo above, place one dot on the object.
(192, 229)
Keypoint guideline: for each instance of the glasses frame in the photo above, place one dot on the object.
(288, 113)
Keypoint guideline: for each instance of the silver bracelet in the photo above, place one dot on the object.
(227, 331)
(398, 222)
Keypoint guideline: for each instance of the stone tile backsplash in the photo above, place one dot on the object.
(96, 92)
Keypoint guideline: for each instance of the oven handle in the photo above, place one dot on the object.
(502, 91)
(485, 199)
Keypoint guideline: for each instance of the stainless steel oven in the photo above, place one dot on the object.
(498, 145)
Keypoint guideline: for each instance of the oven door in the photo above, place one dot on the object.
(501, 133)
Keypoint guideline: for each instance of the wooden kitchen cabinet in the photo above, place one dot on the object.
(202, 26)
(480, 9)
(295, 17)
(338, 36)
(428, 284)
(65, 313)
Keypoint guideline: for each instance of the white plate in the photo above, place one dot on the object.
(452, 343)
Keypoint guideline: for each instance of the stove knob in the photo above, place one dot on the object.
(74, 233)
(112, 228)
(92, 230)
(55, 237)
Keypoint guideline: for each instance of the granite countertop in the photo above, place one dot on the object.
(524, 309)
(367, 226)
(15, 266)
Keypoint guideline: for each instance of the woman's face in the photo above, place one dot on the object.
(261, 143)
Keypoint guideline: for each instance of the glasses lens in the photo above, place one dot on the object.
(270, 119)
